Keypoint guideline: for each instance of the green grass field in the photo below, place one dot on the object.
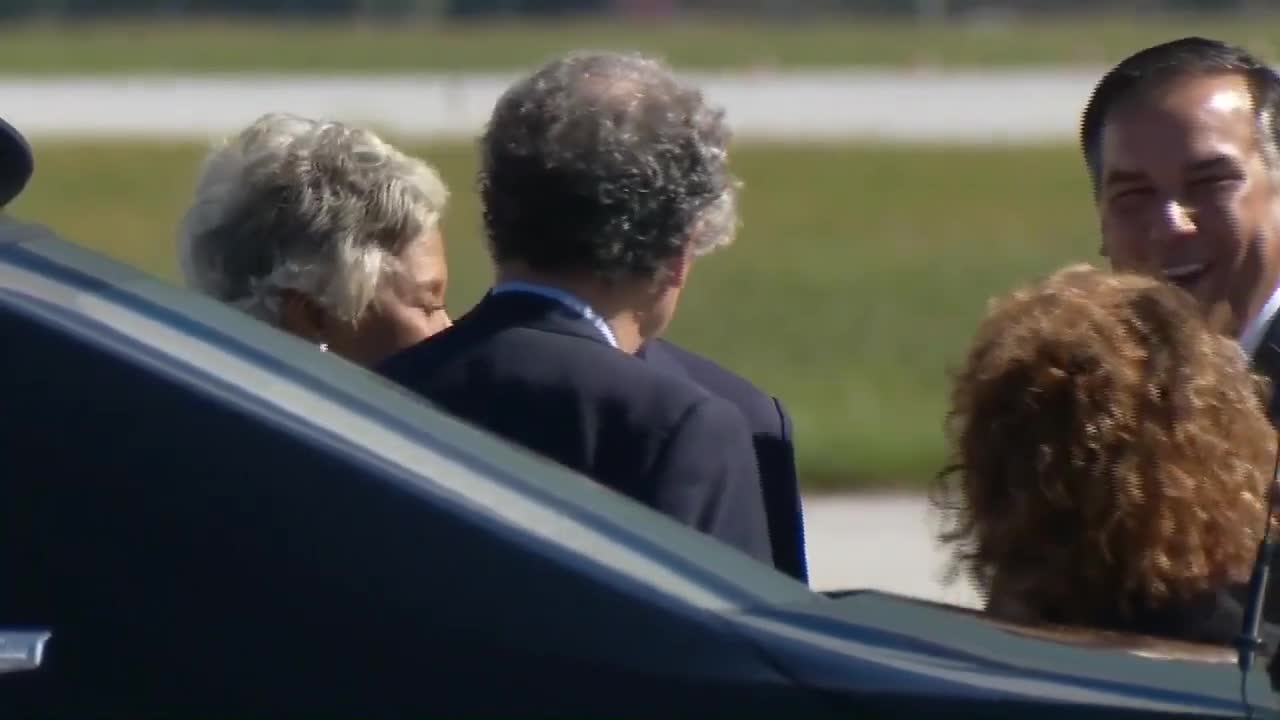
(856, 282)
(706, 44)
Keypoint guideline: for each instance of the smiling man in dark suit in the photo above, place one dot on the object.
(603, 178)
(1182, 144)
(771, 431)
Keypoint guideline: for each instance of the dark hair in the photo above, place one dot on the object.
(1157, 65)
(605, 163)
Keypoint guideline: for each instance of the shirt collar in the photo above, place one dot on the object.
(1253, 333)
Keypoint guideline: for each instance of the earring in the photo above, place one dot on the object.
(324, 347)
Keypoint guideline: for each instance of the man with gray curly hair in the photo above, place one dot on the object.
(323, 230)
(603, 177)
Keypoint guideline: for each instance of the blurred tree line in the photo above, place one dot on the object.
(483, 9)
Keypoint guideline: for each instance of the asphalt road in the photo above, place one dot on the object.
(986, 106)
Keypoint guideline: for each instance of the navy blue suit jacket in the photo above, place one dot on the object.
(524, 367)
(775, 455)
(1266, 360)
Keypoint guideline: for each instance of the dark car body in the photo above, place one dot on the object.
(215, 520)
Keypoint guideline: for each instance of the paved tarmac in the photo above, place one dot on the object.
(878, 541)
(1013, 106)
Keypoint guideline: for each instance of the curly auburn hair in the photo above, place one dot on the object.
(1109, 453)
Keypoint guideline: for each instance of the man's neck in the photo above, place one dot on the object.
(609, 302)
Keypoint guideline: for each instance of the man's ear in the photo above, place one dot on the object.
(678, 269)
(303, 316)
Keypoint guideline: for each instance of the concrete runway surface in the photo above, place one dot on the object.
(983, 106)
(878, 541)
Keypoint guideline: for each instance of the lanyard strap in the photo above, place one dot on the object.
(567, 299)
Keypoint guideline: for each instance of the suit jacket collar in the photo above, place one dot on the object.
(1266, 360)
(1255, 331)
(518, 309)
(647, 348)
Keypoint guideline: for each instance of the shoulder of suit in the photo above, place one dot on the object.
(700, 365)
(424, 354)
(761, 407)
(590, 359)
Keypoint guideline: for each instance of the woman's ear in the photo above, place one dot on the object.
(303, 316)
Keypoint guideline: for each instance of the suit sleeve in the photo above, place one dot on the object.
(706, 477)
(788, 505)
(784, 422)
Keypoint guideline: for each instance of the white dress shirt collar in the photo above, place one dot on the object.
(1253, 333)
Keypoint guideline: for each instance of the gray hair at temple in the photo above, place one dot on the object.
(318, 207)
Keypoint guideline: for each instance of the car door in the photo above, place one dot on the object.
(209, 530)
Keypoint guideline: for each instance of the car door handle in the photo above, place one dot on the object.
(22, 649)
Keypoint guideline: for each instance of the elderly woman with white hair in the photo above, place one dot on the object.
(323, 230)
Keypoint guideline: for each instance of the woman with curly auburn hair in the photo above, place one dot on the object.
(1109, 459)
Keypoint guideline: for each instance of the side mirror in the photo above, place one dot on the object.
(22, 649)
